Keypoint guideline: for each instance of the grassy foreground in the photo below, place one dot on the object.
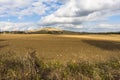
(30, 67)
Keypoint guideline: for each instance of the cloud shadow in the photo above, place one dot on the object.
(2, 40)
(3, 45)
(104, 45)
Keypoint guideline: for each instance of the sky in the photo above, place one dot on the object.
(74, 15)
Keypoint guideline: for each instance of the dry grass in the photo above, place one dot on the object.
(63, 48)
(15, 66)
(59, 57)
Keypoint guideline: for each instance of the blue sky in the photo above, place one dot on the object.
(114, 19)
(76, 15)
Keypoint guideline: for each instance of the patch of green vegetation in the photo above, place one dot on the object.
(30, 67)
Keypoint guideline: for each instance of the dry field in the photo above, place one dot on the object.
(59, 57)
(63, 48)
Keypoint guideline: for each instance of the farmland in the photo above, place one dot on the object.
(63, 48)
(59, 57)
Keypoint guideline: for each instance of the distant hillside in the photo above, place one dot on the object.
(45, 31)
(50, 30)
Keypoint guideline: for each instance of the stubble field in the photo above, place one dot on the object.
(62, 48)
(59, 57)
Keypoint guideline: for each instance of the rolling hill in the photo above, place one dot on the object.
(50, 30)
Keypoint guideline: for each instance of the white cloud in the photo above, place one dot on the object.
(10, 26)
(77, 12)
(20, 9)
(23, 7)
(100, 27)
(73, 14)
(108, 25)
(75, 8)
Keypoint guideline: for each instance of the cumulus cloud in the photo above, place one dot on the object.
(105, 27)
(77, 12)
(10, 26)
(23, 7)
(99, 27)
(79, 8)
(66, 14)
